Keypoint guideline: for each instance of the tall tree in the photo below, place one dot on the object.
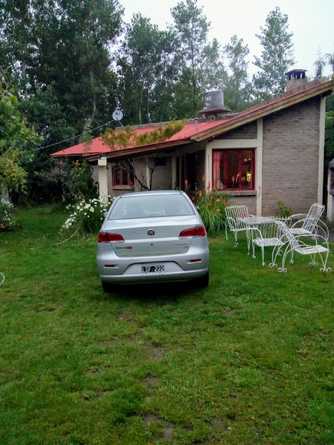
(191, 28)
(330, 61)
(212, 73)
(17, 142)
(57, 53)
(146, 69)
(276, 55)
(163, 97)
(319, 66)
(64, 46)
(237, 84)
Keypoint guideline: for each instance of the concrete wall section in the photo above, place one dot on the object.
(248, 131)
(290, 157)
(249, 201)
(162, 174)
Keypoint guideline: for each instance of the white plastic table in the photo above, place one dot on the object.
(253, 222)
(257, 220)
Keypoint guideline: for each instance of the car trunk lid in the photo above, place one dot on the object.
(151, 237)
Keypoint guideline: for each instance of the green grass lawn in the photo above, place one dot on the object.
(247, 361)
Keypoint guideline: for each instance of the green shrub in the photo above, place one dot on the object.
(283, 210)
(86, 216)
(78, 183)
(211, 207)
(7, 218)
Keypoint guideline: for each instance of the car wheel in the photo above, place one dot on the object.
(203, 281)
(107, 287)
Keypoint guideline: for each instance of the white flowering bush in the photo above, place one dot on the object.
(7, 218)
(86, 216)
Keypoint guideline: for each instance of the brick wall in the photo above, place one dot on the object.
(248, 131)
(290, 157)
(249, 201)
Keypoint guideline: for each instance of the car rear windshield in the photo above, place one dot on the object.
(151, 206)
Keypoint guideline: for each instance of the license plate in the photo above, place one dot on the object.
(153, 268)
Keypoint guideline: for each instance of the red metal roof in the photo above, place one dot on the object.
(97, 146)
(198, 130)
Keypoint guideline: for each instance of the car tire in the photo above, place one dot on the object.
(107, 287)
(203, 281)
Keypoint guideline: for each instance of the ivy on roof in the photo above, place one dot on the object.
(116, 137)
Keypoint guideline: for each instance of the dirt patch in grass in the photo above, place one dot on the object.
(108, 343)
(151, 381)
(46, 308)
(168, 432)
(150, 419)
(166, 428)
(218, 424)
(126, 316)
(156, 352)
(228, 312)
(94, 370)
(93, 395)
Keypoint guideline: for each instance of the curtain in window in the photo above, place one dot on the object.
(217, 159)
(121, 176)
(233, 169)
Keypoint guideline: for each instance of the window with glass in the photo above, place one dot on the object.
(233, 169)
(121, 176)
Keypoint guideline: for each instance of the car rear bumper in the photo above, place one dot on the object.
(113, 269)
(154, 277)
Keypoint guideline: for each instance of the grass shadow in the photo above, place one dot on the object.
(163, 293)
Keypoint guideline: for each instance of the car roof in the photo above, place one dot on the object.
(152, 192)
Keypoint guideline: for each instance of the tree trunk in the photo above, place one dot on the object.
(4, 193)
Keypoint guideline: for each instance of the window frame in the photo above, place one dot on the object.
(128, 183)
(253, 169)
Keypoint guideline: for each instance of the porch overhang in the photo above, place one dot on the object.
(140, 151)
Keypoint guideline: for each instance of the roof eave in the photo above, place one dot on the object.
(57, 155)
(326, 88)
(139, 150)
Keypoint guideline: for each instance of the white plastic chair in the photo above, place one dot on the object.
(268, 235)
(234, 216)
(292, 244)
(310, 223)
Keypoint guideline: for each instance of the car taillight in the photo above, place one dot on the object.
(107, 237)
(194, 231)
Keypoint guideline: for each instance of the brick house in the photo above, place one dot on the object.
(270, 152)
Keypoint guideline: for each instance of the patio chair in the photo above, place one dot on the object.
(292, 244)
(233, 222)
(310, 223)
(267, 235)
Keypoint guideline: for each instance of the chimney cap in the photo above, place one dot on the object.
(296, 73)
(214, 104)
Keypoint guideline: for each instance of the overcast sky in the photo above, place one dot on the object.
(311, 21)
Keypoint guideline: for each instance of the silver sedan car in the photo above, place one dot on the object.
(152, 236)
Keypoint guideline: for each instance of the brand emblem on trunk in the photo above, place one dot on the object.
(150, 232)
